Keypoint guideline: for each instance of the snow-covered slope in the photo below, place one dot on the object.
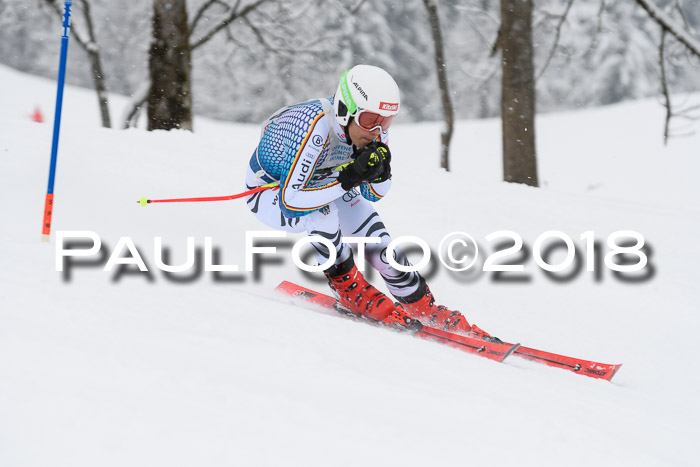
(102, 368)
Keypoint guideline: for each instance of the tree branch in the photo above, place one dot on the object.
(497, 44)
(664, 86)
(259, 36)
(562, 20)
(666, 22)
(235, 14)
(203, 9)
(356, 8)
(598, 28)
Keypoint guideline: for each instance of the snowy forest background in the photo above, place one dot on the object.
(601, 52)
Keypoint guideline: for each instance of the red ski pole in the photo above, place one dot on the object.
(275, 185)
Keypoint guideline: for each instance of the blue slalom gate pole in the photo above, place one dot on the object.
(48, 206)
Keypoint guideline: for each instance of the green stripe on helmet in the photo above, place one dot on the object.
(347, 97)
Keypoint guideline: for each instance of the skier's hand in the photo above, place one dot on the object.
(367, 166)
(386, 165)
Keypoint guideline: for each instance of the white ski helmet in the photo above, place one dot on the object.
(366, 87)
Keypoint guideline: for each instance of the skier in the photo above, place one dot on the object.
(332, 162)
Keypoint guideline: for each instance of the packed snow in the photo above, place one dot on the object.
(123, 367)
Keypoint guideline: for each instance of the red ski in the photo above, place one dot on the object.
(490, 350)
(584, 367)
(477, 346)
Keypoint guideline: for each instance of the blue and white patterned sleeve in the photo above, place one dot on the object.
(375, 191)
(291, 148)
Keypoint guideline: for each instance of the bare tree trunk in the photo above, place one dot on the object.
(93, 52)
(441, 68)
(518, 93)
(664, 86)
(170, 66)
(96, 65)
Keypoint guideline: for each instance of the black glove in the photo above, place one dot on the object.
(386, 165)
(367, 166)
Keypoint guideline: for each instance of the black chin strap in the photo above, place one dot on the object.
(347, 131)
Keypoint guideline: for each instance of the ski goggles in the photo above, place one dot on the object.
(369, 121)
